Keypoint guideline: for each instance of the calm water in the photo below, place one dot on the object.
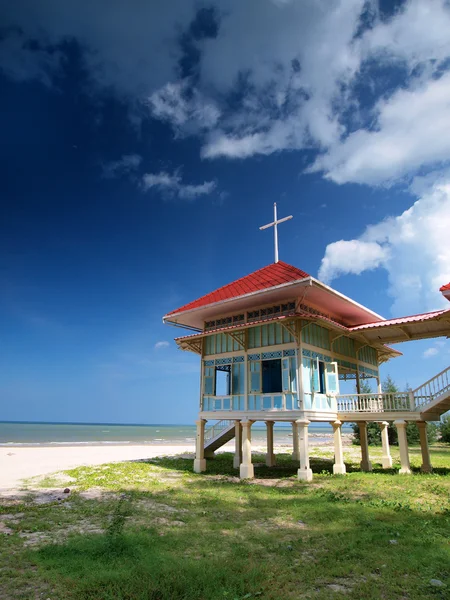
(50, 434)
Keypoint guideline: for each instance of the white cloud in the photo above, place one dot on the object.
(162, 344)
(126, 164)
(173, 185)
(184, 108)
(409, 134)
(354, 256)
(429, 352)
(412, 247)
(132, 50)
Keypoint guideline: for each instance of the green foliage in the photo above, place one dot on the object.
(444, 430)
(373, 434)
(196, 537)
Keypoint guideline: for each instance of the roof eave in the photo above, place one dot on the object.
(306, 280)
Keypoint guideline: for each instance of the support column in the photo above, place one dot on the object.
(426, 462)
(270, 456)
(304, 473)
(338, 467)
(403, 447)
(246, 470)
(386, 459)
(237, 444)
(366, 465)
(200, 462)
(295, 447)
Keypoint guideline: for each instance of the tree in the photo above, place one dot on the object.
(444, 430)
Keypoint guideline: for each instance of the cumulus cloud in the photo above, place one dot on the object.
(409, 134)
(162, 344)
(412, 247)
(353, 256)
(173, 186)
(124, 165)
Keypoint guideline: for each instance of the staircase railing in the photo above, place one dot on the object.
(432, 389)
(216, 429)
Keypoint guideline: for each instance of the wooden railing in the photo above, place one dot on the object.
(373, 403)
(431, 389)
(217, 428)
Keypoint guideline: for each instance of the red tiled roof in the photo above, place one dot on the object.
(445, 288)
(275, 274)
(401, 320)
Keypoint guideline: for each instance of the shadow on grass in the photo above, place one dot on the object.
(222, 464)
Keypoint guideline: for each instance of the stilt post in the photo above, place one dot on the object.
(237, 444)
(246, 470)
(200, 462)
(295, 441)
(426, 462)
(366, 465)
(386, 459)
(304, 473)
(403, 447)
(339, 466)
(270, 456)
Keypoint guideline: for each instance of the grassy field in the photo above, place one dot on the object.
(156, 531)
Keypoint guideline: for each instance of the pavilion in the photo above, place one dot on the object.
(274, 346)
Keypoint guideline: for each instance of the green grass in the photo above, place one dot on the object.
(160, 532)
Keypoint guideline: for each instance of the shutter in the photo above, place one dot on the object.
(332, 378)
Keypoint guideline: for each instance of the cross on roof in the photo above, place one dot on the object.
(275, 224)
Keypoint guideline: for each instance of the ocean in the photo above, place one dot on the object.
(98, 434)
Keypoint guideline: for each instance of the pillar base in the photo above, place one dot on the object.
(199, 465)
(246, 472)
(270, 460)
(339, 470)
(305, 474)
(366, 466)
(405, 471)
(386, 462)
(426, 469)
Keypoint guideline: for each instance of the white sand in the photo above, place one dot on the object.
(17, 464)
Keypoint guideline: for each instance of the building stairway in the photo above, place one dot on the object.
(218, 434)
(432, 398)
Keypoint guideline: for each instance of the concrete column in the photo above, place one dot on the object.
(295, 447)
(426, 462)
(237, 444)
(304, 473)
(403, 447)
(379, 386)
(338, 467)
(366, 465)
(200, 462)
(270, 456)
(386, 459)
(246, 470)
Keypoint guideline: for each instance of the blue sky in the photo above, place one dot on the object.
(142, 147)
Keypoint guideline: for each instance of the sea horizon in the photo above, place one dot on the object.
(48, 433)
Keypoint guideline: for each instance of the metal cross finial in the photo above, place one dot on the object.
(275, 223)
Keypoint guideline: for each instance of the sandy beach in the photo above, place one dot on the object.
(17, 464)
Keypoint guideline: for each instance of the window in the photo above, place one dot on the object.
(271, 376)
(320, 377)
(223, 380)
